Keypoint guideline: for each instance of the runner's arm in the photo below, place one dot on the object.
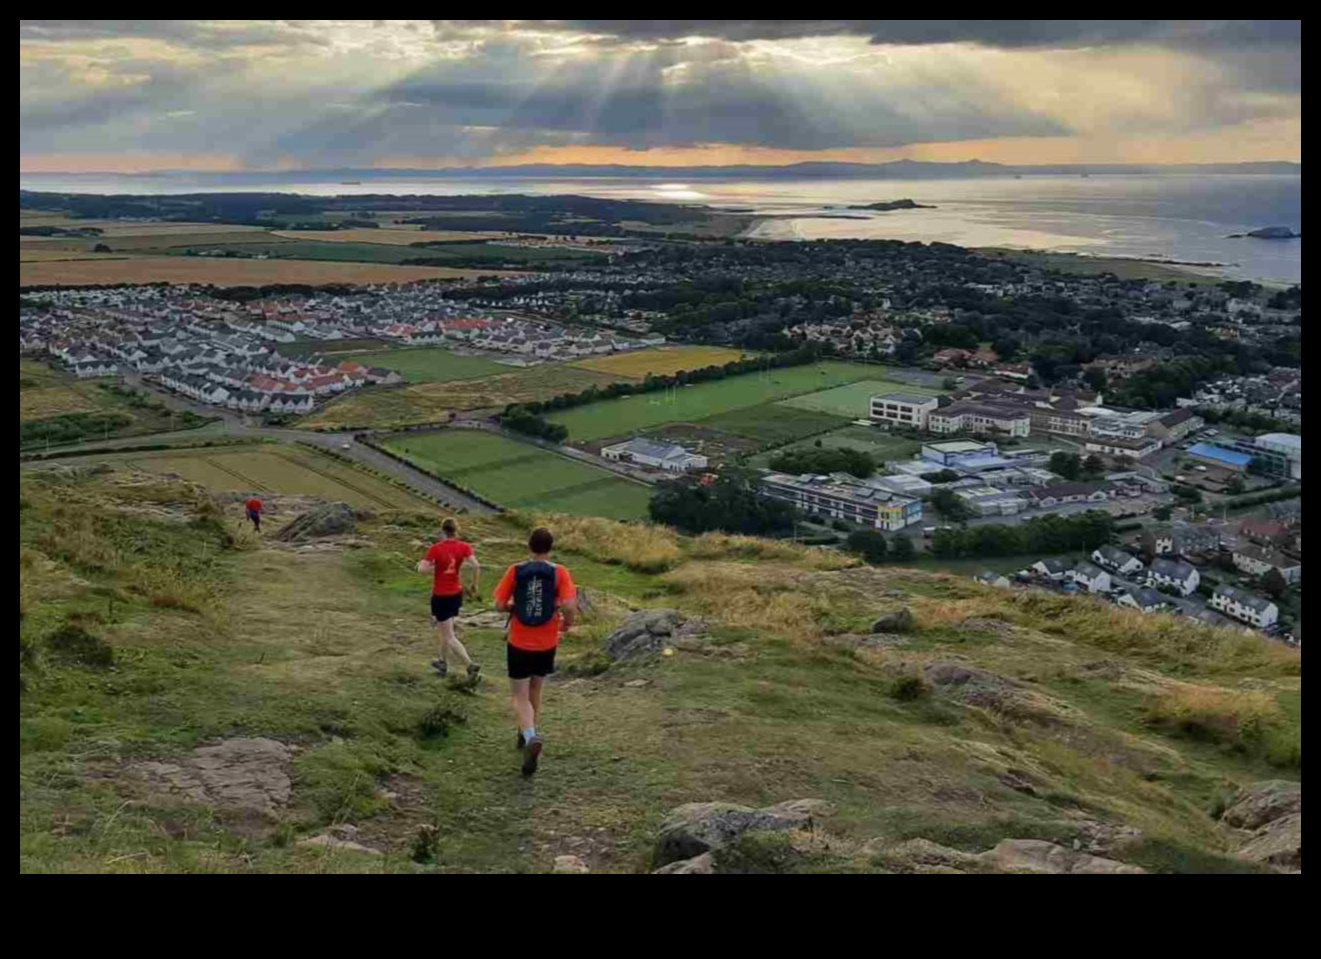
(476, 575)
(427, 567)
(570, 613)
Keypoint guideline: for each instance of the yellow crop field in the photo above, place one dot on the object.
(29, 255)
(383, 237)
(42, 404)
(433, 402)
(280, 471)
(665, 361)
(228, 273)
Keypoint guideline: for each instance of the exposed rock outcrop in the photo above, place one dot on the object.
(899, 622)
(698, 829)
(1011, 857)
(332, 519)
(1270, 816)
(648, 633)
(251, 775)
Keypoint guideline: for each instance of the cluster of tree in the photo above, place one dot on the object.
(1161, 386)
(1252, 422)
(942, 477)
(1265, 499)
(520, 420)
(1073, 467)
(823, 461)
(1047, 536)
(947, 503)
(78, 232)
(1187, 494)
(877, 550)
(70, 428)
(657, 384)
(731, 504)
(1290, 299)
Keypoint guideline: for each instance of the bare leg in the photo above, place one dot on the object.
(450, 647)
(535, 687)
(524, 712)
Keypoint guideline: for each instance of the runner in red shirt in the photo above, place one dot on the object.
(445, 561)
(254, 509)
(542, 601)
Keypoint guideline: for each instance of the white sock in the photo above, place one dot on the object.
(529, 734)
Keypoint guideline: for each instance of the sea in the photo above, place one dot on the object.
(1181, 219)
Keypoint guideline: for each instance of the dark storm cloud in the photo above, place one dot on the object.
(994, 33)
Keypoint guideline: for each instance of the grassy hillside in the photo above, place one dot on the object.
(151, 624)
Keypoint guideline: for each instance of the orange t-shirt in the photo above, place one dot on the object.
(449, 556)
(254, 506)
(538, 639)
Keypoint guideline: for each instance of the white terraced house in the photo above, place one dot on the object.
(1118, 561)
(1245, 607)
(1091, 578)
(1174, 575)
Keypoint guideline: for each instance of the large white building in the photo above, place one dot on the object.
(845, 497)
(904, 409)
(1171, 574)
(662, 456)
(1245, 607)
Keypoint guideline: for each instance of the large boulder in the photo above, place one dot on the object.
(700, 828)
(1263, 803)
(252, 775)
(704, 865)
(1279, 844)
(332, 519)
(645, 633)
(899, 622)
(1035, 857)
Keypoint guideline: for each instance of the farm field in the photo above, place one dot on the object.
(521, 476)
(335, 348)
(145, 243)
(388, 237)
(28, 254)
(280, 471)
(665, 361)
(433, 402)
(429, 365)
(693, 404)
(121, 228)
(227, 273)
(853, 401)
(773, 424)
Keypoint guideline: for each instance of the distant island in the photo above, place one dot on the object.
(892, 205)
(1268, 233)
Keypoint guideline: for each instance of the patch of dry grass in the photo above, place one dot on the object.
(640, 547)
(1236, 717)
(716, 546)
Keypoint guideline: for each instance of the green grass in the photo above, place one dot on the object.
(459, 253)
(693, 404)
(883, 446)
(428, 365)
(854, 400)
(773, 424)
(215, 637)
(517, 475)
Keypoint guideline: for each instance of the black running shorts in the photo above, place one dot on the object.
(445, 608)
(525, 664)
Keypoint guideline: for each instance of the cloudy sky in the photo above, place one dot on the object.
(137, 95)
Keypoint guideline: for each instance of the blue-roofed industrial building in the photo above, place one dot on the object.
(1219, 456)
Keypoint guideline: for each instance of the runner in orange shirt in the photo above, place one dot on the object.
(446, 560)
(543, 604)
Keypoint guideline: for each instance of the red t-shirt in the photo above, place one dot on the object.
(254, 506)
(537, 639)
(449, 556)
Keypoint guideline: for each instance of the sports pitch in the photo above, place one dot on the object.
(520, 476)
(692, 404)
(853, 401)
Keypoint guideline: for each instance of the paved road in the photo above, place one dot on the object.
(239, 426)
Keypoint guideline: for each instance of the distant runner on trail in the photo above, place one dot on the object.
(446, 560)
(543, 605)
(254, 509)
